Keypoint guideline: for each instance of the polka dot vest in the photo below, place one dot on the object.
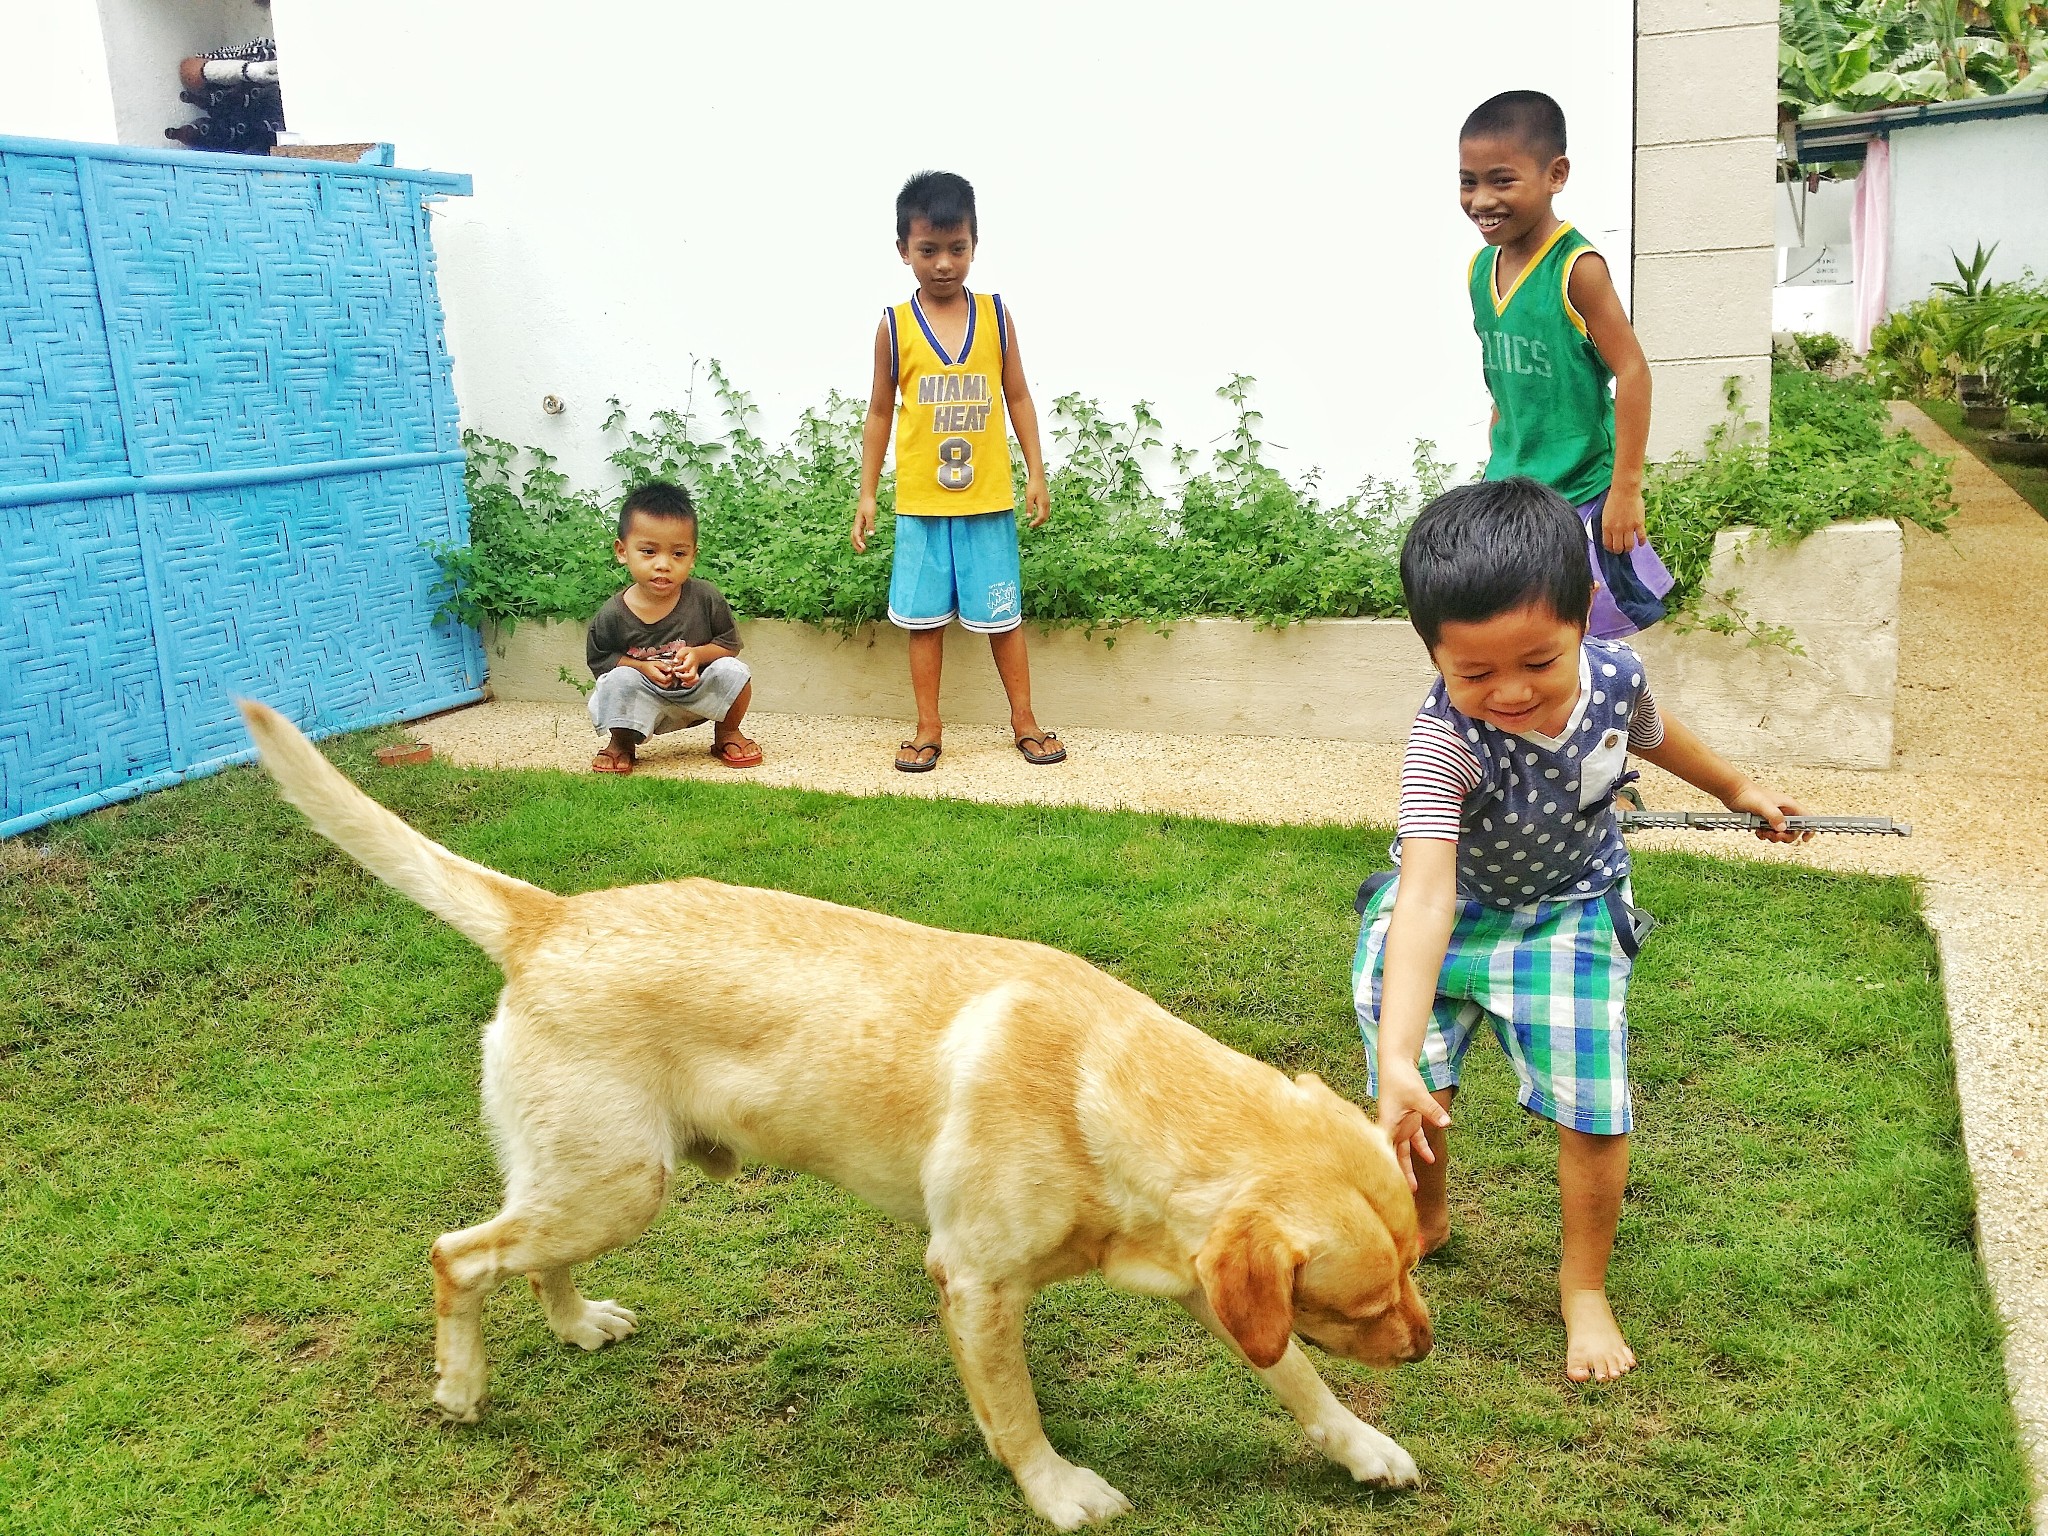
(1539, 826)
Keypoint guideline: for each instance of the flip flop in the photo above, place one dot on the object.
(918, 762)
(738, 753)
(1045, 739)
(610, 762)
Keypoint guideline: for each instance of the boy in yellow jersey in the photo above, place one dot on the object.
(1553, 337)
(952, 356)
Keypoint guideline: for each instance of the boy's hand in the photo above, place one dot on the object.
(863, 524)
(1407, 1111)
(682, 668)
(1037, 500)
(1621, 521)
(1770, 805)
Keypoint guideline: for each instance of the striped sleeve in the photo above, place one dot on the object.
(1437, 773)
(1645, 726)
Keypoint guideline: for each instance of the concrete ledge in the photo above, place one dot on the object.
(1357, 679)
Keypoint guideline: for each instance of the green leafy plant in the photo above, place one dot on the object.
(2000, 331)
(1238, 540)
(2005, 330)
(1837, 56)
(1969, 281)
(1235, 539)
(2028, 421)
(537, 549)
(1831, 457)
(1818, 349)
(772, 521)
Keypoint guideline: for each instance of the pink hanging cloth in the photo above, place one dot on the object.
(1870, 239)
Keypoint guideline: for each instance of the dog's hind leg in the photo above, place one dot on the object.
(985, 1325)
(562, 1213)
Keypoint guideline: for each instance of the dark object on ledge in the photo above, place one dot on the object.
(237, 90)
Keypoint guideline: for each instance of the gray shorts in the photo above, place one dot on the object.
(623, 700)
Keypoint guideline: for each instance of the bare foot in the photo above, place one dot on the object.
(1432, 1231)
(1594, 1348)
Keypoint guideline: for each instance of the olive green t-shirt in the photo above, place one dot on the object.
(1546, 377)
(701, 616)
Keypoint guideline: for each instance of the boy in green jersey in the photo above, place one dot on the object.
(1553, 335)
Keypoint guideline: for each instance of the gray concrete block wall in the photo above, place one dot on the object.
(1706, 122)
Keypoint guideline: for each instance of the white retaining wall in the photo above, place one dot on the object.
(1358, 679)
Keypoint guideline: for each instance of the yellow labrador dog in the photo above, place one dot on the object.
(1037, 1117)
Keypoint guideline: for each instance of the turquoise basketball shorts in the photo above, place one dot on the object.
(1551, 978)
(964, 567)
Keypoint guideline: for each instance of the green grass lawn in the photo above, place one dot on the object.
(2029, 480)
(238, 1101)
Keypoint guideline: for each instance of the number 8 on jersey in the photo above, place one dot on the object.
(956, 464)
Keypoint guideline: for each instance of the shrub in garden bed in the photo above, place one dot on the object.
(1237, 539)
(1994, 335)
(1832, 457)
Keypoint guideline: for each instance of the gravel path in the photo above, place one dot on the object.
(1974, 611)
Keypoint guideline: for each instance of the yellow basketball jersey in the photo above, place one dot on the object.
(952, 435)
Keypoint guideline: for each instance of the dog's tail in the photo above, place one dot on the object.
(481, 904)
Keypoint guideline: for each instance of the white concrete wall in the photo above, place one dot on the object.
(56, 71)
(145, 39)
(1359, 679)
(1814, 309)
(1170, 193)
(1706, 121)
(1957, 184)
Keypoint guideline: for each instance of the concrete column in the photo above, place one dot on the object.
(1706, 119)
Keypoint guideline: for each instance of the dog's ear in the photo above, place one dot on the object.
(1247, 1270)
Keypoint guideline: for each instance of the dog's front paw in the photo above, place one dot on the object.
(1368, 1455)
(460, 1402)
(1071, 1497)
(598, 1324)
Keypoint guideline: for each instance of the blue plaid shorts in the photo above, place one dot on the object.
(1551, 978)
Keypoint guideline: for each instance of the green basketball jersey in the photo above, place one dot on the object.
(1546, 377)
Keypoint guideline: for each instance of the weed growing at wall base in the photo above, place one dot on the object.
(1237, 539)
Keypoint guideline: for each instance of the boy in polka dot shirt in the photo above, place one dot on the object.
(1511, 905)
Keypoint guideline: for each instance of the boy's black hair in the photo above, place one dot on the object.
(658, 498)
(1490, 548)
(1528, 118)
(941, 199)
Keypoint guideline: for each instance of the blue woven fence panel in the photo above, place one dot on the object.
(314, 598)
(60, 415)
(267, 320)
(81, 704)
(227, 432)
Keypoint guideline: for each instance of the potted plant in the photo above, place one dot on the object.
(1986, 412)
(1981, 402)
(2025, 440)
